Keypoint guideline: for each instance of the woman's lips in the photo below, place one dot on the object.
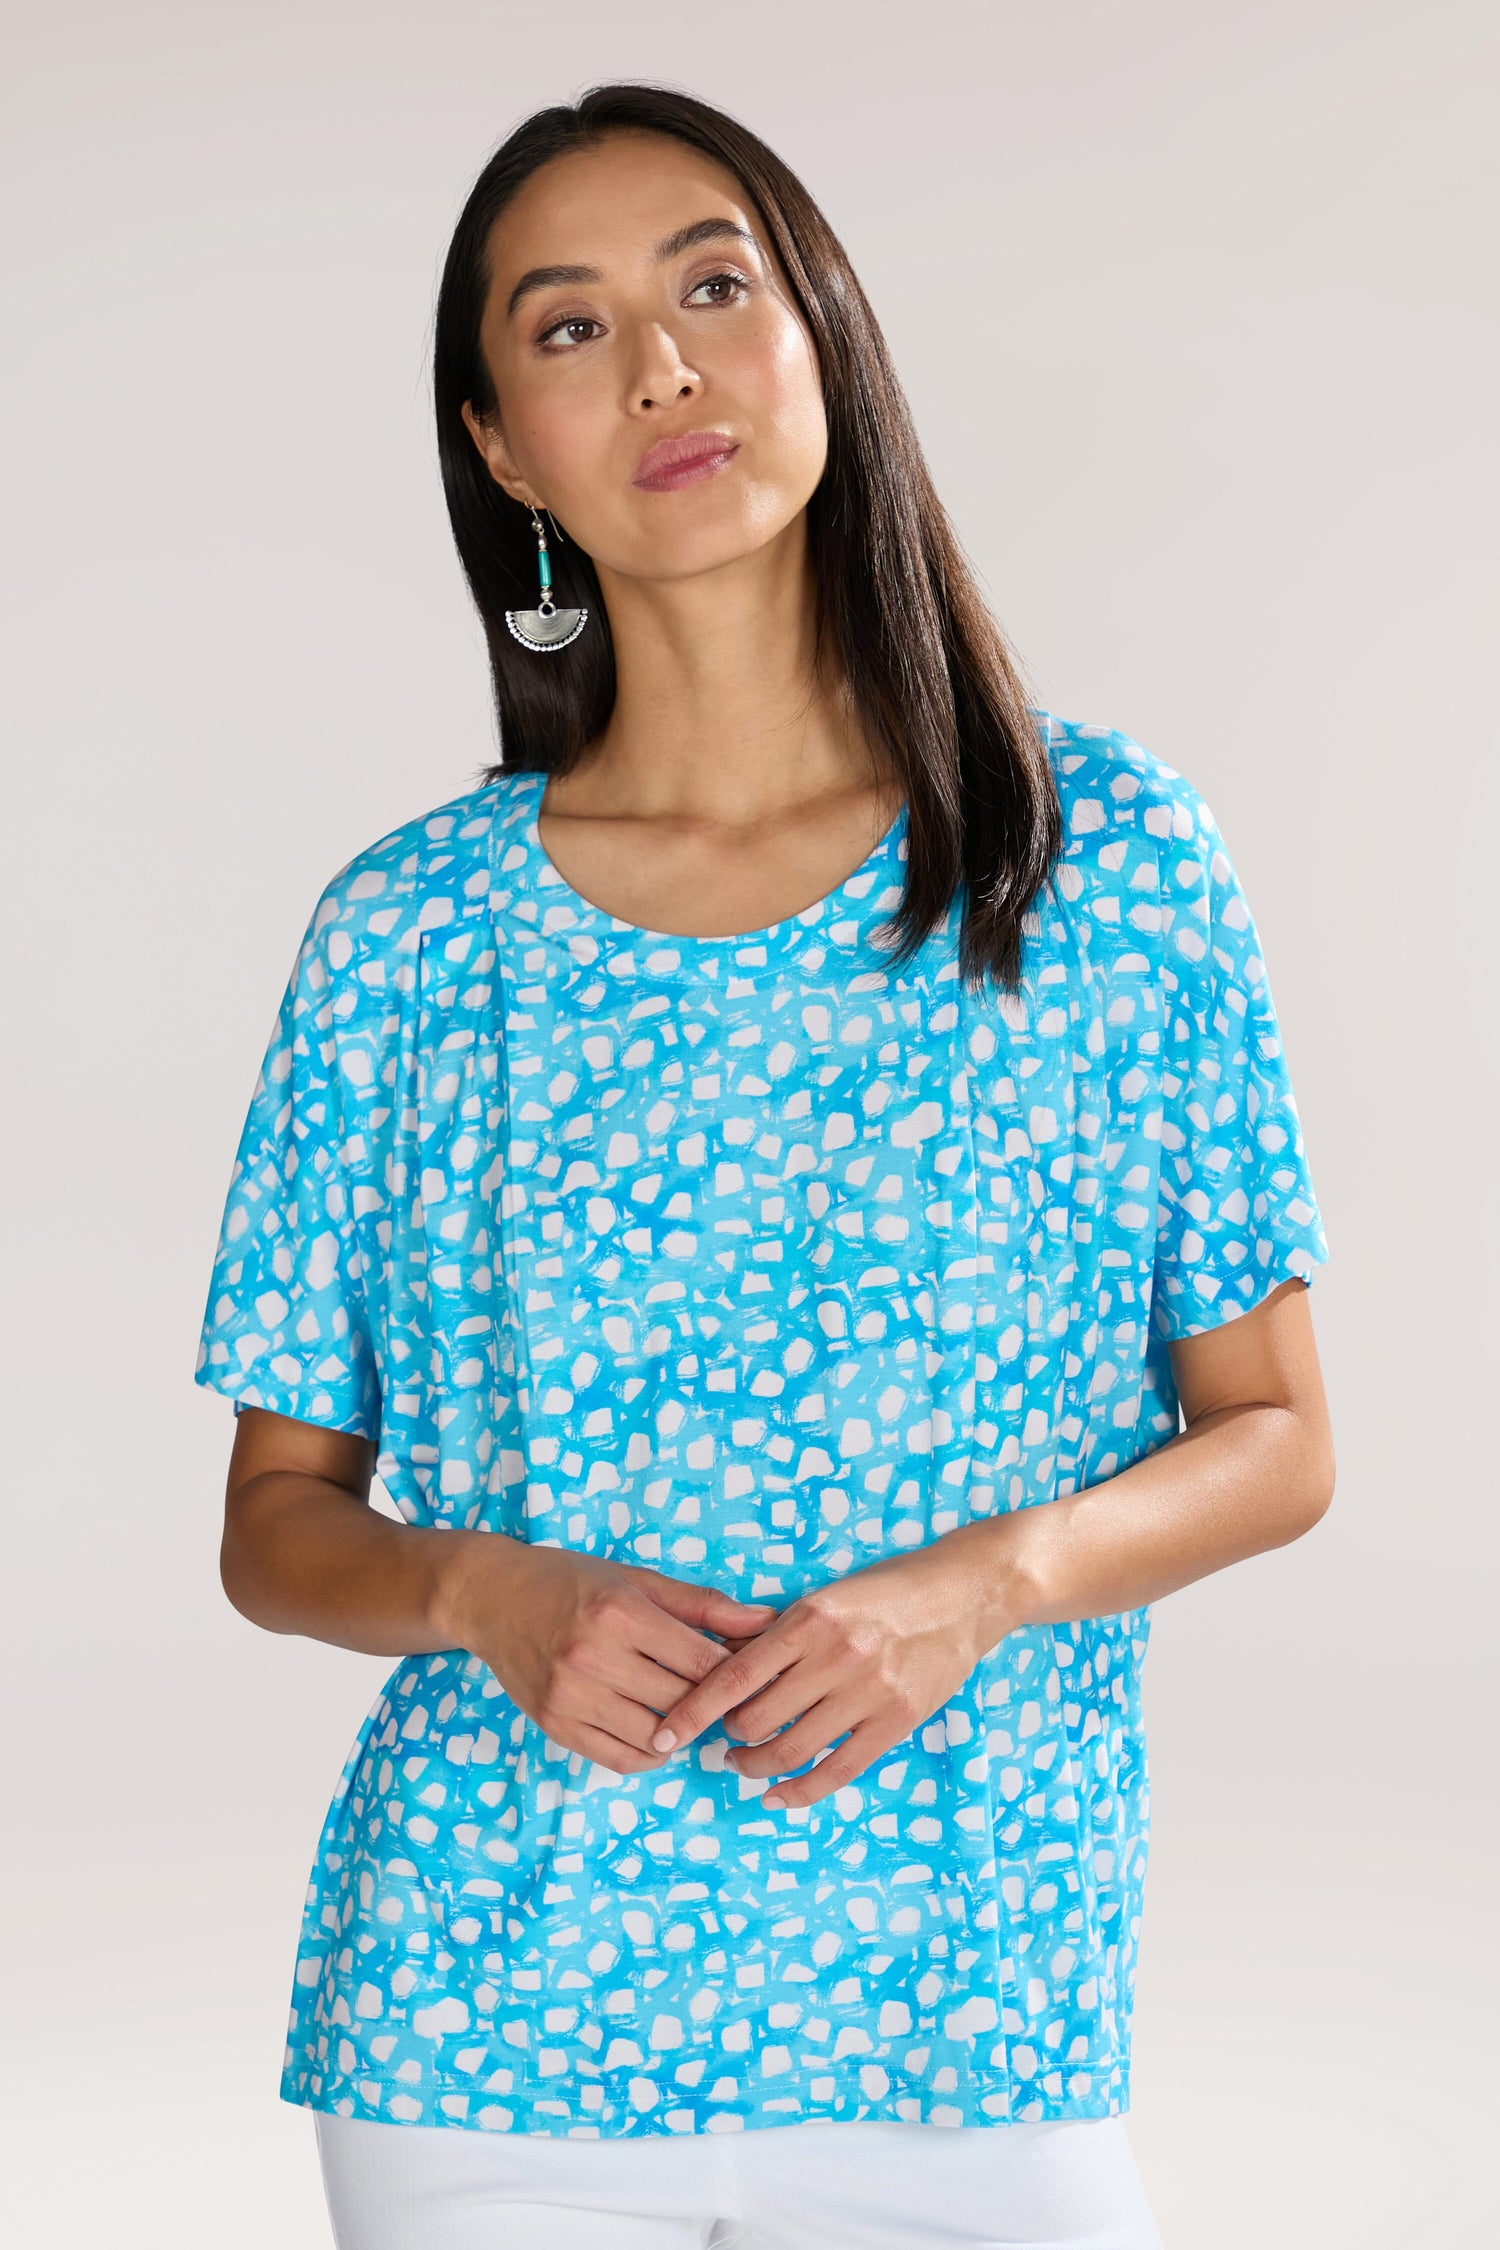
(684, 460)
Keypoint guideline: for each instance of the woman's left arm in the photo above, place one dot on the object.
(1253, 1469)
(870, 1656)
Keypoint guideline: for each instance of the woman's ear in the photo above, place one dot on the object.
(490, 439)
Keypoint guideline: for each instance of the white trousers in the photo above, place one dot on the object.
(1069, 2184)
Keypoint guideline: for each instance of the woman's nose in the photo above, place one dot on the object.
(663, 376)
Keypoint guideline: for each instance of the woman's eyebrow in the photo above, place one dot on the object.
(670, 245)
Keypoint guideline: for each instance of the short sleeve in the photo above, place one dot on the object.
(287, 1325)
(1237, 1214)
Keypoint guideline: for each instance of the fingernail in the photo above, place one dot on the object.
(664, 1739)
(775, 1803)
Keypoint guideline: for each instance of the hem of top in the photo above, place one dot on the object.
(1227, 1307)
(344, 1417)
(737, 2121)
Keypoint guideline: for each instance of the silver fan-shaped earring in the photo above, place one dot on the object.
(546, 627)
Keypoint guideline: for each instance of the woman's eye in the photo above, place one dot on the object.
(715, 280)
(570, 320)
(734, 285)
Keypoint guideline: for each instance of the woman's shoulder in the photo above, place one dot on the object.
(1144, 856)
(423, 874)
(1141, 846)
(1106, 780)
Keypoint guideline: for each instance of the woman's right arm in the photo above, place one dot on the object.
(592, 1649)
(304, 1552)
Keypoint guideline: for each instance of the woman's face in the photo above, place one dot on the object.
(647, 340)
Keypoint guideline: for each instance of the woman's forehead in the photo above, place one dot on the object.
(613, 204)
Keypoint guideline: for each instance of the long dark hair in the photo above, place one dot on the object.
(898, 609)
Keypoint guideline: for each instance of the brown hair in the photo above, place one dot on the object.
(898, 609)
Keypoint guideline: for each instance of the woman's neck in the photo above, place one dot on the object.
(721, 718)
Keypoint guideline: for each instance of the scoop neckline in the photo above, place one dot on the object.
(557, 889)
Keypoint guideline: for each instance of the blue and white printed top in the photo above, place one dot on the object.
(749, 1261)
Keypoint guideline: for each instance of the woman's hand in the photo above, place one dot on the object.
(593, 1650)
(869, 1656)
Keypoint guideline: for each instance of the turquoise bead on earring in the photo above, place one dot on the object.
(546, 627)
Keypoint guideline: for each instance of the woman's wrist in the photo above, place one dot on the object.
(463, 1583)
(998, 1556)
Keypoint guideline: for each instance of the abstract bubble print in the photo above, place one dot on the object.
(752, 1261)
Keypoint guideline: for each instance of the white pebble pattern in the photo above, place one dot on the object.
(751, 1261)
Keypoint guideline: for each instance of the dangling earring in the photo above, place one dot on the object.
(546, 627)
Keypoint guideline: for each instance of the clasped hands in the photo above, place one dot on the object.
(867, 1657)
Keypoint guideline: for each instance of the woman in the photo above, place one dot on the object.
(801, 1112)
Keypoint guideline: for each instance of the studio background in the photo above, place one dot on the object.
(1191, 307)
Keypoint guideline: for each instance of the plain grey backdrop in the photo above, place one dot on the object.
(1194, 307)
